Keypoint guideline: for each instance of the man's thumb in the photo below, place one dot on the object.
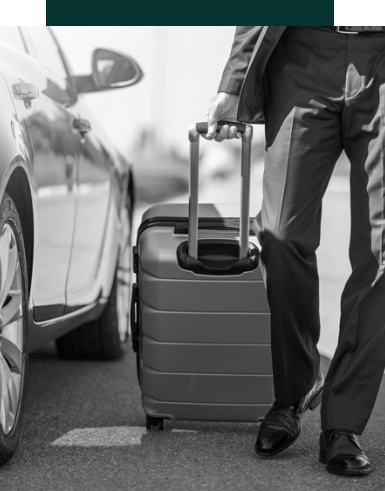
(212, 118)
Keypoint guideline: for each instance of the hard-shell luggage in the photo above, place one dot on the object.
(200, 319)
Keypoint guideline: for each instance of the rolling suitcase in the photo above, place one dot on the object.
(200, 319)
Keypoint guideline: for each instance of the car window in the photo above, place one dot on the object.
(12, 36)
(46, 50)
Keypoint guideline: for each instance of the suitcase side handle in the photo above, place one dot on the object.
(134, 318)
(247, 136)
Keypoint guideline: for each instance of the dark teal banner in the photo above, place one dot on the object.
(277, 12)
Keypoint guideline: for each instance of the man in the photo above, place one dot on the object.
(319, 90)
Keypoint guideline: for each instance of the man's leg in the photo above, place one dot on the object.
(303, 143)
(358, 365)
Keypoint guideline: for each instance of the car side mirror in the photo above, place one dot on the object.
(110, 70)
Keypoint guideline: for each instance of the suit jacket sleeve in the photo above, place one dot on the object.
(235, 70)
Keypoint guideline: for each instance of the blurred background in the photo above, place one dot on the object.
(149, 122)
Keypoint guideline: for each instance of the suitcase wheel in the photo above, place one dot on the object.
(154, 423)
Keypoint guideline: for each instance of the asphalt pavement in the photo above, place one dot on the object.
(85, 430)
(84, 426)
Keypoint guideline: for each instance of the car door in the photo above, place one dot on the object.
(93, 195)
(93, 191)
(49, 123)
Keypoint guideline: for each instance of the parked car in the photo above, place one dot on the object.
(66, 203)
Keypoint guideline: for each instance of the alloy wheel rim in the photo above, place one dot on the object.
(11, 329)
(124, 278)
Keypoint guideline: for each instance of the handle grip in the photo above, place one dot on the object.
(194, 136)
(202, 128)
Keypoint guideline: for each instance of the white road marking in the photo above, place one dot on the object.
(115, 436)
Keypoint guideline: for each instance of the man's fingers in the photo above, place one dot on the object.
(223, 133)
(227, 133)
(233, 132)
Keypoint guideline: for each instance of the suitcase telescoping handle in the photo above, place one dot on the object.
(247, 135)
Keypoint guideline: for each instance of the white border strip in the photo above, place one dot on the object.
(354, 11)
(24, 13)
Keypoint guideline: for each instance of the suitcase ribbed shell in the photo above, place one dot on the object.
(204, 340)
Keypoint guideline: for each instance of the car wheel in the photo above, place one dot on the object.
(13, 328)
(107, 337)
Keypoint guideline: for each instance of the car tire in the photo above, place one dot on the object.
(13, 328)
(106, 338)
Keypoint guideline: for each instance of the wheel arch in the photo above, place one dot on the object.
(18, 189)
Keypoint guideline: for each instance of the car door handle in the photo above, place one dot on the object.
(25, 92)
(82, 125)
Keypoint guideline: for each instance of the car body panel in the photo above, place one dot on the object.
(47, 124)
(77, 186)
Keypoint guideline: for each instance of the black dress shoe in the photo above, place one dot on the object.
(282, 424)
(342, 454)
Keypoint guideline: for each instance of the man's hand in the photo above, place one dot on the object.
(222, 106)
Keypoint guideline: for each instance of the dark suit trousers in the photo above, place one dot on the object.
(326, 93)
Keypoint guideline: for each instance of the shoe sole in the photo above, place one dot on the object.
(338, 471)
